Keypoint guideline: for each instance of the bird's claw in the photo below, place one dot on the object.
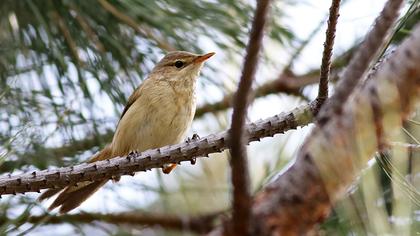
(133, 152)
(194, 137)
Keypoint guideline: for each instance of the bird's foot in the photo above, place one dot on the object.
(194, 137)
(131, 153)
(115, 179)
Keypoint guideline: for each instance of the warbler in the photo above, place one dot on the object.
(158, 113)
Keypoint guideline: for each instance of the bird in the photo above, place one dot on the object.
(158, 113)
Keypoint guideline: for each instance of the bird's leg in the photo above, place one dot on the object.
(167, 168)
(115, 179)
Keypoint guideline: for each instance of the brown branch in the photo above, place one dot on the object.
(186, 151)
(288, 84)
(237, 135)
(198, 224)
(334, 155)
(142, 30)
(327, 53)
(361, 61)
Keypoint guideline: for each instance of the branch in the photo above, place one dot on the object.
(300, 116)
(327, 53)
(198, 224)
(90, 33)
(359, 64)
(156, 158)
(333, 155)
(239, 158)
(288, 84)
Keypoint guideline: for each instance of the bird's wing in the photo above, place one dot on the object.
(133, 97)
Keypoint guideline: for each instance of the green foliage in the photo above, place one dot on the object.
(408, 21)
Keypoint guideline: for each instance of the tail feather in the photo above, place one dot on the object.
(72, 196)
(106, 153)
(49, 193)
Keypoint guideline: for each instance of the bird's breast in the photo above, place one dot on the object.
(158, 118)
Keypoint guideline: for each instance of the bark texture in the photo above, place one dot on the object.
(329, 161)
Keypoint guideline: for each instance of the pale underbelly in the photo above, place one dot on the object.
(161, 133)
(152, 131)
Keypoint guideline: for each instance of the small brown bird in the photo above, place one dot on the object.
(158, 113)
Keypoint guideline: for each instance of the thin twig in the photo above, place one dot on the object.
(239, 159)
(361, 61)
(86, 28)
(197, 224)
(142, 30)
(328, 47)
(68, 38)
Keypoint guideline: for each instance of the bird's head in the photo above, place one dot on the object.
(180, 65)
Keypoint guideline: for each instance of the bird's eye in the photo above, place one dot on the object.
(179, 64)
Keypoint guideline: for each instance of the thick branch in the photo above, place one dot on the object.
(328, 47)
(361, 61)
(334, 155)
(187, 151)
(239, 158)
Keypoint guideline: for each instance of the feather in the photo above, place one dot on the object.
(73, 196)
(49, 193)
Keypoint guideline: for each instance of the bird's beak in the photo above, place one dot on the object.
(203, 58)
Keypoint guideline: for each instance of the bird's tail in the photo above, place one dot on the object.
(72, 196)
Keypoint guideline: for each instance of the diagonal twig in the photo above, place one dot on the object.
(327, 53)
(156, 158)
(90, 33)
(238, 159)
(68, 38)
(361, 61)
(142, 30)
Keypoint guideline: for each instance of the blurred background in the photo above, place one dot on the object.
(67, 68)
